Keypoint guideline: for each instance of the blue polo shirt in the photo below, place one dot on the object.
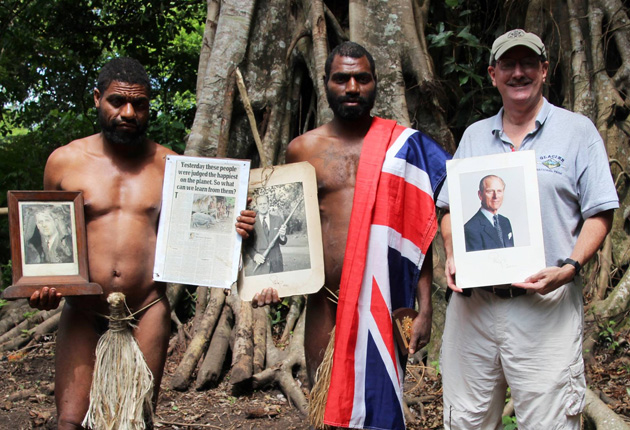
(574, 176)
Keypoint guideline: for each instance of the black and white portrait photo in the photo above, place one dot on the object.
(279, 242)
(47, 233)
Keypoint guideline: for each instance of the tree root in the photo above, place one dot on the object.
(200, 306)
(174, 293)
(280, 366)
(319, 55)
(21, 334)
(601, 416)
(297, 304)
(210, 369)
(13, 316)
(605, 262)
(180, 338)
(45, 389)
(243, 350)
(260, 339)
(617, 301)
(197, 347)
(47, 326)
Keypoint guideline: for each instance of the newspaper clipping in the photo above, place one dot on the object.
(197, 243)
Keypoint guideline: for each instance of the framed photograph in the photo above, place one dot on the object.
(48, 243)
(197, 242)
(285, 250)
(495, 218)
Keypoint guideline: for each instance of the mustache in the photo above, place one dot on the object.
(116, 122)
(352, 99)
(520, 81)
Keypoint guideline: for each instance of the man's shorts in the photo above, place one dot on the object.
(531, 343)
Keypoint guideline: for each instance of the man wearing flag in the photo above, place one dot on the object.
(529, 335)
(376, 184)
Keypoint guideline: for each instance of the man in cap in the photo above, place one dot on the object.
(528, 336)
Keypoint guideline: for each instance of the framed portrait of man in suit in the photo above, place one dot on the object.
(48, 243)
(285, 248)
(495, 218)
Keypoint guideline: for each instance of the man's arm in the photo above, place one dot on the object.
(591, 237)
(447, 237)
(421, 327)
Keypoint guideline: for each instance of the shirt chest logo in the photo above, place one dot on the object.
(551, 163)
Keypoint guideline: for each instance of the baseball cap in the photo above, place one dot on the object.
(514, 38)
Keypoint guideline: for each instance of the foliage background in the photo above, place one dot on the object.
(51, 51)
(50, 55)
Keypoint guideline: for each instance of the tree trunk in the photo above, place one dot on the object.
(228, 50)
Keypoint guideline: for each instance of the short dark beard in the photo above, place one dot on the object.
(120, 137)
(351, 113)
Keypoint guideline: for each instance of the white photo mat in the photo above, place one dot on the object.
(521, 205)
(63, 215)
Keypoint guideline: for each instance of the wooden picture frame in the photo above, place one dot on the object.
(48, 244)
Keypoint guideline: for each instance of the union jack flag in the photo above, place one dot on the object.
(392, 225)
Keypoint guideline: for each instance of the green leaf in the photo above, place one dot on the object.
(439, 40)
(467, 36)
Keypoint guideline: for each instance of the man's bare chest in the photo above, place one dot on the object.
(336, 169)
(110, 192)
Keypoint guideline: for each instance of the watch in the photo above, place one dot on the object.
(573, 263)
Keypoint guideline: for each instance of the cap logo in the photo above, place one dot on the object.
(515, 33)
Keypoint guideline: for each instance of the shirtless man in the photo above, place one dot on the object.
(120, 173)
(334, 150)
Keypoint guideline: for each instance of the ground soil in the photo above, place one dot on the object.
(27, 401)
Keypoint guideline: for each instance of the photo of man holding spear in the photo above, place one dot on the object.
(264, 245)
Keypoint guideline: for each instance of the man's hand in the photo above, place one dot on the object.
(259, 259)
(420, 332)
(267, 296)
(449, 270)
(45, 299)
(283, 231)
(245, 223)
(548, 279)
(447, 238)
